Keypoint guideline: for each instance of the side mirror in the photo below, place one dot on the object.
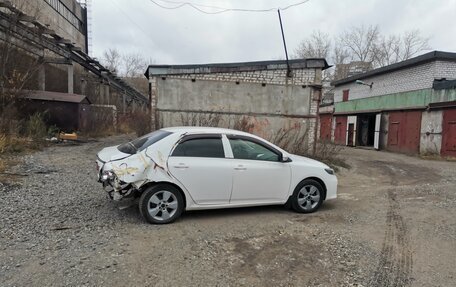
(285, 158)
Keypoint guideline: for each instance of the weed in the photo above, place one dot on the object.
(35, 127)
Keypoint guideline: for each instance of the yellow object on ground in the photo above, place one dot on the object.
(65, 136)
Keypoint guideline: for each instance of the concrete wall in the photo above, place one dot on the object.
(47, 15)
(232, 98)
(431, 132)
(267, 100)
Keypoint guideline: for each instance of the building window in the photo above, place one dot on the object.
(345, 95)
(66, 13)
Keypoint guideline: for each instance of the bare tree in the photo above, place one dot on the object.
(387, 51)
(360, 42)
(362, 47)
(413, 43)
(396, 48)
(340, 55)
(128, 65)
(112, 60)
(318, 45)
(133, 64)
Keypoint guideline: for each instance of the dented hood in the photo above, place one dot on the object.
(111, 153)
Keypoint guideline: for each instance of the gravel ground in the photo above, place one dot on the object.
(394, 224)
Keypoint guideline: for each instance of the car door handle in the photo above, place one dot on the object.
(240, 167)
(181, 165)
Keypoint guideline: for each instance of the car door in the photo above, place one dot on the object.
(198, 162)
(259, 174)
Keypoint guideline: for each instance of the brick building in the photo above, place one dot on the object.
(222, 94)
(405, 107)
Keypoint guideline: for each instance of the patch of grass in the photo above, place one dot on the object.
(35, 127)
(329, 153)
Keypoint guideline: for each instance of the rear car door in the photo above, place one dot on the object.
(198, 162)
(259, 174)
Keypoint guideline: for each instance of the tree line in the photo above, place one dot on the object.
(362, 44)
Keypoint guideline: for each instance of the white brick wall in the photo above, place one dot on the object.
(300, 77)
(410, 79)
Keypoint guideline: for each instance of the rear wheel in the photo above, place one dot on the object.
(161, 204)
(308, 196)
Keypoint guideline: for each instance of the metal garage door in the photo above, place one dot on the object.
(404, 131)
(340, 130)
(449, 133)
(325, 126)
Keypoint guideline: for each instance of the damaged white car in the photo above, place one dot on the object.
(189, 168)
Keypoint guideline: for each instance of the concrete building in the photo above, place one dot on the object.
(47, 40)
(259, 93)
(405, 107)
(68, 18)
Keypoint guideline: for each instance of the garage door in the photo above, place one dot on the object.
(325, 127)
(449, 133)
(404, 131)
(340, 131)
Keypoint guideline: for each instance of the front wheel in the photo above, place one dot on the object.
(161, 204)
(307, 197)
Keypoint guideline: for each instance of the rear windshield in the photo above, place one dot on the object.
(143, 142)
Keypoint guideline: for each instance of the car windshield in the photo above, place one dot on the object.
(143, 142)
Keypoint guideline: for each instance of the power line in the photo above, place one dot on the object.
(199, 7)
(132, 21)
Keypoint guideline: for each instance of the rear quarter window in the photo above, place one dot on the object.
(143, 142)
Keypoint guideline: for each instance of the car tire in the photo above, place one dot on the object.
(307, 196)
(161, 204)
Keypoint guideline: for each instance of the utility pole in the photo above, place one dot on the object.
(284, 45)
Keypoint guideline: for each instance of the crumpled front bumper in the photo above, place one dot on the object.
(115, 188)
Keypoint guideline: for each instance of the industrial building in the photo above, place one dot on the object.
(48, 41)
(407, 107)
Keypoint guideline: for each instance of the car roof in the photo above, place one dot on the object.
(191, 129)
(212, 130)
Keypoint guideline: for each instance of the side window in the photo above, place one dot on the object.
(245, 149)
(202, 147)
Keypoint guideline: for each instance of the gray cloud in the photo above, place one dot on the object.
(186, 36)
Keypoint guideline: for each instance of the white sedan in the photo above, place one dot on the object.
(190, 168)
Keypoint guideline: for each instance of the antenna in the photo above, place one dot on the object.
(289, 74)
(89, 26)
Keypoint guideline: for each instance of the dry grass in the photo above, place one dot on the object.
(19, 135)
(329, 153)
(200, 119)
(138, 122)
(100, 122)
(293, 138)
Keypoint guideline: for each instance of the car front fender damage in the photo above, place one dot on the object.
(130, 174)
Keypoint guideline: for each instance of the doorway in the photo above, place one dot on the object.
(351, 131)
(366, 130)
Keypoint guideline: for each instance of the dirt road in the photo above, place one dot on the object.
(394, 224)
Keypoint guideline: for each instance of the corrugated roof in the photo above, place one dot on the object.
(428, 57)
(57, 97)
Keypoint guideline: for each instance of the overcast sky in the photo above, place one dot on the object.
(185, 36)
